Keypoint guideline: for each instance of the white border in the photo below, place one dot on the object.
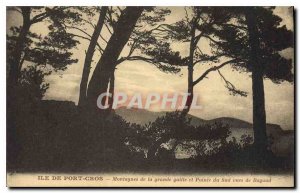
(156, 3)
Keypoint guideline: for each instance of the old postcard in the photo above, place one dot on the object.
(150, 96)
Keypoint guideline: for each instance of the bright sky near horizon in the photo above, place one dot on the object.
(137, 76)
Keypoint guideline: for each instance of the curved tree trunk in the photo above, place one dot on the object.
(259, 113)
(89, 57)
(105, 67)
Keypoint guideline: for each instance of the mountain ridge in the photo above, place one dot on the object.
(142, 116)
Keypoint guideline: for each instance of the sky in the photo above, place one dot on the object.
(138, 76)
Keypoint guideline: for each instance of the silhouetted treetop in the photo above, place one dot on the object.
(273, 38)
(51, 48)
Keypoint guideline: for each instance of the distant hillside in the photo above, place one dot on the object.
(142, 116)
(232, 122)
(139, 116)
(283, 140)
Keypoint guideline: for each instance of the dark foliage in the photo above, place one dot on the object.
(54, 137)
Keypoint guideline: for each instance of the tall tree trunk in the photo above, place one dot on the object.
(105, 67)
(89, 57)
(190, 90)
(190, 74)
(259, 113)
(13, 143)
(111, 90)
(14, 66)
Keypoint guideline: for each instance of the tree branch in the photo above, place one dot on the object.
(121, 11)
(211, 39)
(215, 68)
(46, 14)
(131, 58)
(209, 58)
(103, 38)
(89, 39)
(89, 22)
(107, 27)
(77, 28)
(236, 26)
(232, 89)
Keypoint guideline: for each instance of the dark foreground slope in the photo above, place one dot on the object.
(54, 136)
